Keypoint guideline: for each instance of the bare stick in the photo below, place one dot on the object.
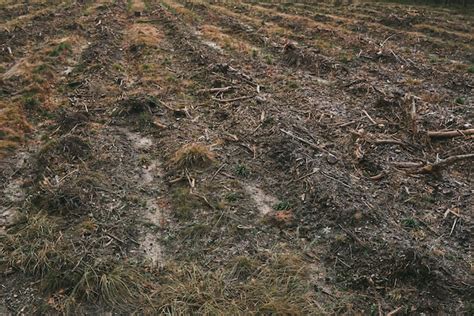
(224, 89)
(370, 118)
(448, 134)
(407, 164)
(454, 226)
(413, 116)
(332, 178)
(217, 172)
(353, 236)
(395, 311)
(430, 167)
(304, 176)
(234, 99)
(388, 141)
(304, 141)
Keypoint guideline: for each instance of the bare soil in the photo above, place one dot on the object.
(235, 157)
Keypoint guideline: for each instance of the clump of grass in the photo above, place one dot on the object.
(33, 246)
(43, 68)
(242, 170)
(31, 102)
(233, 196)
(147, 67)
(470, 69)
(39, 246)
(13, 126)
(242, 267)
(247, 286)
(184, 203)
(282, 206)
(70, 147)
(60, 49)
(410, 222)
(460, 100)
(293, 84)
(118, 67)
(269, 59)
(72, 196)
(196, 231)
(193, 155)
(116, 284)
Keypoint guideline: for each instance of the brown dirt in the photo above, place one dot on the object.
(310, 188)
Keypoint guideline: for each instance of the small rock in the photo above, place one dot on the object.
(332, 160)
(260, 99)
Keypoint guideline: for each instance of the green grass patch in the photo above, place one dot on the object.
(60, 49)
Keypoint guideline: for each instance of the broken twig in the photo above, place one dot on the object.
(448, 134)
(431, 167)
(234, 99)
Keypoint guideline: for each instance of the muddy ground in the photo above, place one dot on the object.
(244, 157)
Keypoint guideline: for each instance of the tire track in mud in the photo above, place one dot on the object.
(184, 41)
(118, 62)
(124, 212)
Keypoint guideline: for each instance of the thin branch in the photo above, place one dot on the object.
(234, 99)
(452, 133)
(431, 167)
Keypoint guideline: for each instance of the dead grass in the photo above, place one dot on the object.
(13, 126)
(215, 34)
(185, 204)
(247, 286)
(179, 9)
(136, 6)
(36, 245)
(22, 68)
(68, 148)
(193, 155)
(39, 246)
(72, 195)
(143, 35)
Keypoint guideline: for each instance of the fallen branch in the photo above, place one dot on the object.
(407, 164)
(387, 141)
(448, 134)
(413, 116)
(378, 176)
(212, 90)
(304, 176)
(352, 235)
(431, 167)
(304, 141)
(369, 117)
(395, 311)
(234, 99)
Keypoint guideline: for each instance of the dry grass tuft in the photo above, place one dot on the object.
(193, 155)
(215, 34)
(136, 6)
(69, 148)
(22, 68)
(248, 286)
(72, 196)
(39, 246)
(32, 244)
(178, 8)
(13, 126)
(143, 35)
